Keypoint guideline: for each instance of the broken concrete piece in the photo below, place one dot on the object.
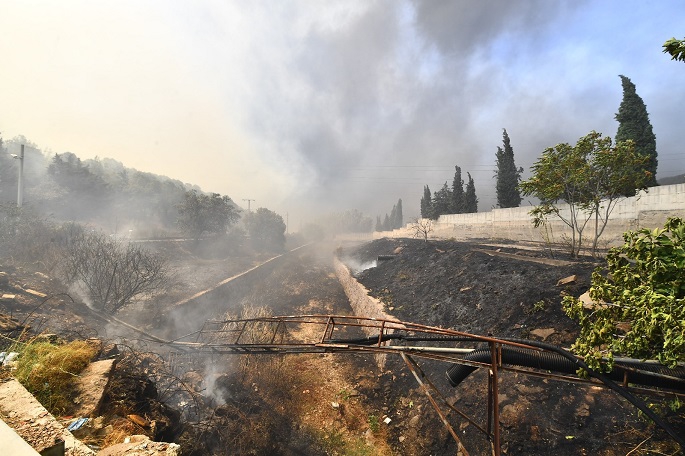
(138, 445)
(36, 293)
(7, 297)
(544, 333)
(588, 303)
(567, 280)
(91, 387)
(23, 413)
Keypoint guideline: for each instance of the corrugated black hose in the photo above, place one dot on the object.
(562, 361)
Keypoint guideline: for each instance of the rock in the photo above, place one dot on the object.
(91, 386)
(566, 280)
(588, 303)
(140, 445)
(543, 333)
(8, 297)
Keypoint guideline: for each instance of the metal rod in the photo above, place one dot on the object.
(411, 364)
(495, 396)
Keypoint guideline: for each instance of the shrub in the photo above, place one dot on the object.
(639, 307)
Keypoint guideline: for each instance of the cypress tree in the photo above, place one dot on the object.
(442, 201)
(386, 223)
(399, 218)
(426, 203)
(508, 176)
(633, 123)
(379, 225)
(457, 203)
(470, 199)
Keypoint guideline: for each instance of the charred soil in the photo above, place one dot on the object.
(507, 292)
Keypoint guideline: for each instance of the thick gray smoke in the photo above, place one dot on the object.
(329, 106)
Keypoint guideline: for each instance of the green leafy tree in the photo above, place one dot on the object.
(633, 124)
(470, 199)
(675, 48)
(638, 305)
(457, 204)
(426, 203)
(508, 175)
(589, 177)
(266, 230)
(442, 201)
(200, 214)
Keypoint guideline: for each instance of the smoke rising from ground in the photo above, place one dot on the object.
(310, 107)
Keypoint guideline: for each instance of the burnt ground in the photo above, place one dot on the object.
(504, 291)
(335, 404)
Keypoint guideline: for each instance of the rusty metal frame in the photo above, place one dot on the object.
(223, 337)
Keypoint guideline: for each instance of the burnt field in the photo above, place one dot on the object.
(327, 404)
(505, 291)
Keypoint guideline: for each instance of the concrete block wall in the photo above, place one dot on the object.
(362, 303)
(649, 209)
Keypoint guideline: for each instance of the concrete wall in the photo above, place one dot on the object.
(362, 304)
(646, 210)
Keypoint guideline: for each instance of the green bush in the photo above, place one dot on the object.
(639, 300)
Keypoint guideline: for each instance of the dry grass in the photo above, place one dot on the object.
(50, 371)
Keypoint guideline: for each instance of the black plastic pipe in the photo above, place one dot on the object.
(640, 404)
(515, 356)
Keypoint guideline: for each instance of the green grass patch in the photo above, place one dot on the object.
(50, 372)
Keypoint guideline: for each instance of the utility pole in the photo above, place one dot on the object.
(20, 186)
(248, 203)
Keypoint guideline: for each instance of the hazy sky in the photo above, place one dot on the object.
(333, 104)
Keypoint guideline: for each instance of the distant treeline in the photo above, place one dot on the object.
(100, 192)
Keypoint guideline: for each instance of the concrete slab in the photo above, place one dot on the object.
(13, 444)
(23, 413)
(91, 387)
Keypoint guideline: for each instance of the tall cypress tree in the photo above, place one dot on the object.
(442, 200)
(470, 199)
(508, 176)
(457, 204)
(426, 203)
(399, 218)
(633, 123)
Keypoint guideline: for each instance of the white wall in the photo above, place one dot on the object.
(648, 209)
